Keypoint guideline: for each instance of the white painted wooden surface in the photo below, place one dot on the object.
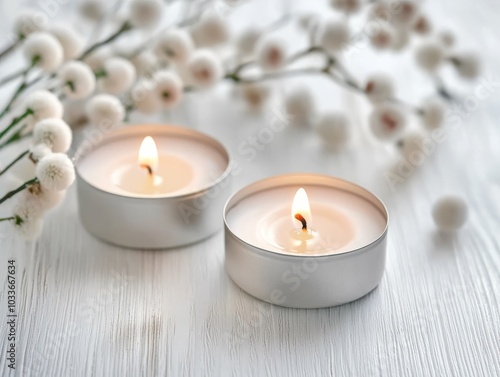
(90, 309)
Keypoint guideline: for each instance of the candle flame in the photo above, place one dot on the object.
(301, 211)
(148, 154)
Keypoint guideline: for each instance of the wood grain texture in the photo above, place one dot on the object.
(91, 309)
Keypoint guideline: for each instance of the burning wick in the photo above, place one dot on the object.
(148, 168)
(148, 155)
(301, 211)
(299, 217)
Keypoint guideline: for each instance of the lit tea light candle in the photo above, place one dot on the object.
(142, 177)
(284, 220)
(149, 186)
(301, 218)
(148, 158)
(275, 226)
(165, 164)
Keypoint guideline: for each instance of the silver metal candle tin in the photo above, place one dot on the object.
(323, 280)
(156, 222)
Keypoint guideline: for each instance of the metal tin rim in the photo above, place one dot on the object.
(281, 177)
(178, 130)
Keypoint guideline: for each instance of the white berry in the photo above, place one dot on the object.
(119, 76)
(255, 95)
(210, 30)
(247, 40)
(300, 106)
(405, 13)
(334, 128)
(410, 145)
(175, 45)
(450, 213)
(43, 50)
(467, 64)
(401, 39)
(433, 111)
(145, 13)
(71, 41)
(387, 121)
(430, 55)
(334, 35)
(271, 54)
(347, 6)
(379, 88)
(422, 25)
(383, 37)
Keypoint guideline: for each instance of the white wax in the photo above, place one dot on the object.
(185, 166)
(341, 221)
(172, 174)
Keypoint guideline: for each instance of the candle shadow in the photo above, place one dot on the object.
(443, 242)
(96, 259)
(115, 247)
(252, 319)
(236, 288)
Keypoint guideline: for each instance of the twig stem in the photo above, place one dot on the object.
(126, 26)
(15, 121)
(24, 186)
(14, 161)
(7, 50)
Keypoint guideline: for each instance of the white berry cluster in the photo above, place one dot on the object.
(54, 170)
(138, 60)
